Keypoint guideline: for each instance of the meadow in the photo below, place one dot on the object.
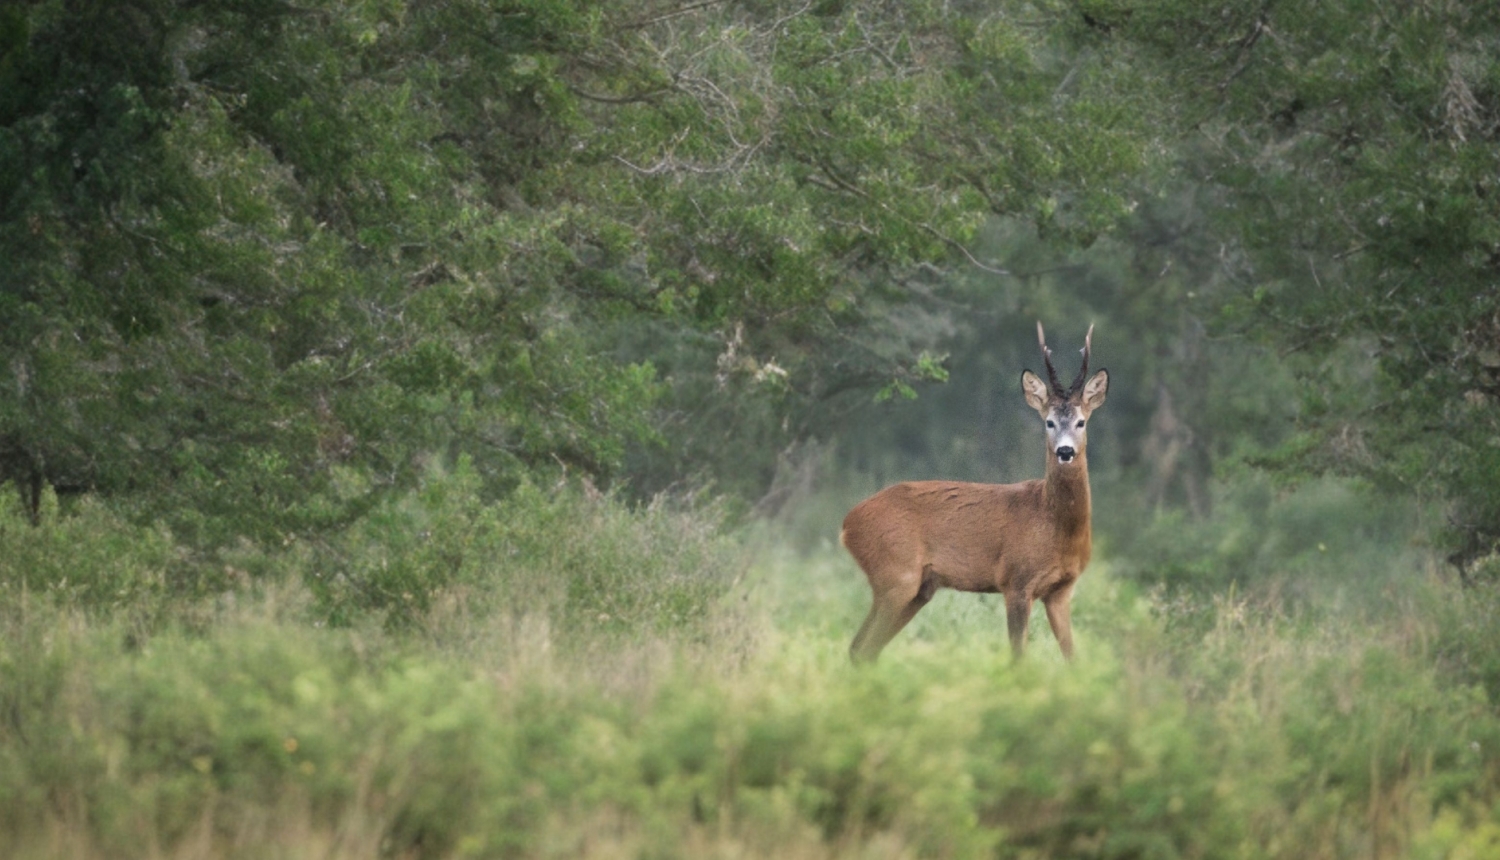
(565, 676)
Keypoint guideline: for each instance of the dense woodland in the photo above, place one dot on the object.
(424, 424)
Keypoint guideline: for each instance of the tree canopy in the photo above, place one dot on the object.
(267, 257)
(1355, 147)
(265, 261)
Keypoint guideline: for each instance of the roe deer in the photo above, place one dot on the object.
(1028, 541)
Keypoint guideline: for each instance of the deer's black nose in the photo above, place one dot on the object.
(1065, 453)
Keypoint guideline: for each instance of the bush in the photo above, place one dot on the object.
(257, 734)
(1466, 644)
(584, 559)
(1327, 536)
(87, 557)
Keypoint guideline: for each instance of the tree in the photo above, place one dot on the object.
(266, 260)
(1355, 143)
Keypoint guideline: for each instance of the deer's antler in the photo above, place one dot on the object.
(1041, 340)
(1083, 372)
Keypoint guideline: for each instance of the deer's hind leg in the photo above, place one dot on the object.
(890, 611)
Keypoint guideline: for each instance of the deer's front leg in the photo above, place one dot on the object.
(1017, 616)
(1060, 614)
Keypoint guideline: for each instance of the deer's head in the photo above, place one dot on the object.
(1066, 411)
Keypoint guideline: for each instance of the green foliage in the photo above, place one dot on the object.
(1467, 646)
(587, 561)
(1303, 542)
(252, 717)
(1250, 735)
(253, 250)
(264, 263)
(593, 564)
(1354, 147)
(88, 558)
(295, 284)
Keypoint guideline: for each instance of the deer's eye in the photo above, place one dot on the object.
(1080, 425)
(1050, 425)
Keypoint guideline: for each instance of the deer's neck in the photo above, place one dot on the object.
(1066, 490)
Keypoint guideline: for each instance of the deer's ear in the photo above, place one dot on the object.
(1035, 390)
(1095, 389)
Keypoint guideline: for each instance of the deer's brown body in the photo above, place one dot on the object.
(1028, 541)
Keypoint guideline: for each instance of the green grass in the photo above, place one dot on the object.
(250, 722)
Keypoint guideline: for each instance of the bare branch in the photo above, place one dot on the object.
(1242, 51)
(684, 10)
(619, 100)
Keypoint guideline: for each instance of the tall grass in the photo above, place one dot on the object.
(714, 712)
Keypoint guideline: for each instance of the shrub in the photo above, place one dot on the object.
(87, 557)
(1324, 536)
(585, 559)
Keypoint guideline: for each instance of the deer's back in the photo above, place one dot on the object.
(969, 534)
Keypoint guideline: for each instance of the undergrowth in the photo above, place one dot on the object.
(498, 713)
